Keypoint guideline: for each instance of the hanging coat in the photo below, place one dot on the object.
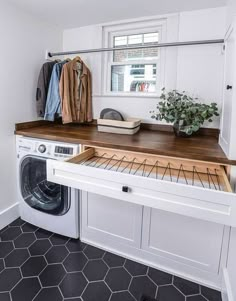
(76, 92)
(42, 87)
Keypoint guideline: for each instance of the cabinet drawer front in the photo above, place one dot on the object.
(174, 196)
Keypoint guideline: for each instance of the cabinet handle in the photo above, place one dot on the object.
(125, 188)
(228, 87)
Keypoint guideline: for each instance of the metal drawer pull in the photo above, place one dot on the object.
(125, 188)
(228, 87)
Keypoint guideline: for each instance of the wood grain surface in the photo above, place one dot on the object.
(200, 147)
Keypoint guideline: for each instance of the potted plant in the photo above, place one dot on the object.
(186, 113)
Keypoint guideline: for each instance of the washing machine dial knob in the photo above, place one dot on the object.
(42, 148)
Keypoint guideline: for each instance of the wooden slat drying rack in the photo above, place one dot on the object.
(154, 45)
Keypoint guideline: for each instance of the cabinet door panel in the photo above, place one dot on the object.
(228, 123)
(186, 240)
(117, 220)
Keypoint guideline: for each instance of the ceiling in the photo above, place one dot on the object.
(75, 13)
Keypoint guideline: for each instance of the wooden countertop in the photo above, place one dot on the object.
(203, 148)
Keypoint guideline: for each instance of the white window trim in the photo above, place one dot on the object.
(109, 32)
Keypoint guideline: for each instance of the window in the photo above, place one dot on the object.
(137, 71)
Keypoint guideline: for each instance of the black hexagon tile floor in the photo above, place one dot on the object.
(37, 265)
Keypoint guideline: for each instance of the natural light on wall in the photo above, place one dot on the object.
(135, 70)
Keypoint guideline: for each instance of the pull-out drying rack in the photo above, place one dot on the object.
(194, 173)
(167, 172)
(193, 188)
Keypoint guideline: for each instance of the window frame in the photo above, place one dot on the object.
(109, 32)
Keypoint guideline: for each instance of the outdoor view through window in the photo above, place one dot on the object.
(135, 70)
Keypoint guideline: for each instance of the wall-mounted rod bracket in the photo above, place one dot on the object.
(154, 45)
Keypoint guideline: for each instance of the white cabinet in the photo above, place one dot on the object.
(108, 219)
(178, 244)
(228, 120)
(165, 212)
(187, 240)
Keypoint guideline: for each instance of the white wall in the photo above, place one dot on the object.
(24, 40)
(231, 11)
(198, 69)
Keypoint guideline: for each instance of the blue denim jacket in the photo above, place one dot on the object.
(53, 104)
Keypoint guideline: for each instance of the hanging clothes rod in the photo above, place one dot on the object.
(161, 45)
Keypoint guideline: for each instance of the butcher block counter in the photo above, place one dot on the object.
(203, 147)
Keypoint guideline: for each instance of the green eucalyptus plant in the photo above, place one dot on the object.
(185, 112)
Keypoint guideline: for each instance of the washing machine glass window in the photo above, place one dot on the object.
(37, 192)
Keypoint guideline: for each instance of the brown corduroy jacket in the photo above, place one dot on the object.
(76, 92)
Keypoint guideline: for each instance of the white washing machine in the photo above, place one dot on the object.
(44, 204)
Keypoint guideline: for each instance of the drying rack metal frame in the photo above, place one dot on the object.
(175, 170)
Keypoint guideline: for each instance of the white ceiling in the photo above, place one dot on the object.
(75, 13)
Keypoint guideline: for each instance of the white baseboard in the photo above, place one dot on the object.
(227, 293)
(9, 215)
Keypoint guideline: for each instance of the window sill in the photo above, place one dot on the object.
(128, 95)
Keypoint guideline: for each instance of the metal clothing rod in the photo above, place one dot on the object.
(161, 45)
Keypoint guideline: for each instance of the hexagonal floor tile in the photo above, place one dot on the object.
(26, 289)
(29, 228)
(96, 291)
(16, 258)
(5, 297)
(9, 278)
(33, 266)
(122, 296)
(74, 299)
(196, 298)
(73, 285)
(17, 222)
(5, 248)
(39, 247)
(4, 229)
(135, 268)
(159, 277)
(49, 294)
(52, 275)
(41, 233)
(56, 254)
(210, 294)
(24, 240)
(118, 279)
(75, 262)
(93, 253)
(10, 233)
(75, 245)
(95, 270)
(57, 239)
(142, 285)
(169, 292)
(113, 260)
(186, 287)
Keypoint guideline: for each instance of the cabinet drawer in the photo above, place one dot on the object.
(190, 188)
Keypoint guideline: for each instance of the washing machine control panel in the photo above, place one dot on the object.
(47, 149)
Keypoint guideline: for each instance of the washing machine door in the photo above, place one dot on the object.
(37, 192)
